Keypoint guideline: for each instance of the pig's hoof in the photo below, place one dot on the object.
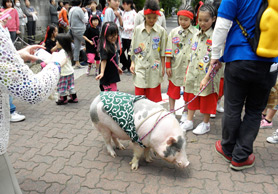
(134, 166)
(149, 159)
(113, 154)
(121, 147)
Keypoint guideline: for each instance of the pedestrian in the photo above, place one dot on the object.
(91, 37)
(128, 27)
(32, 17)
(13, 23)
(63, 18)
(66, 81)
(61, 4)
(93, 11)
(22, 19)
(147, 54)
(53, 12)
(109, 68)
(198, 67)
(13, 68)
(140, 18)
(248, 81)
(50, 38)
(177, 51)
(78, 18)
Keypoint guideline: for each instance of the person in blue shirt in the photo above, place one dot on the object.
(248, 81)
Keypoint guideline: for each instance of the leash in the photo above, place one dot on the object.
(211, 75)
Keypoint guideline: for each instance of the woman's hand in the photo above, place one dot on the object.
(99, 76)
(27, 53)
(204, 82)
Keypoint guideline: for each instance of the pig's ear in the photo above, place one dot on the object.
(171, 140)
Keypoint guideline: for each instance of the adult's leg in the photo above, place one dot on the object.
(33, 32)
(13, 36)
(260, 83)
(29, 32)
(12, 106)
(123, 57)
(8, 181)
(77, 45)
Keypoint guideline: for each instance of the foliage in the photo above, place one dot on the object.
(168, 4)
(139, 4)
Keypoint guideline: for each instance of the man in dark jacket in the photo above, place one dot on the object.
(53, 12)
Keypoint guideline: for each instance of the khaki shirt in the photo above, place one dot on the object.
(146, 50)
(179, 48)
(140, 18)
(199, 64)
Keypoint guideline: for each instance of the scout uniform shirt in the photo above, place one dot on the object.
(146, 50)
(199, 64)
(179, 48)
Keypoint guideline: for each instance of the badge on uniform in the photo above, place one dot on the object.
(156, 64)
(180, 45)
(207, 69)
(176, 40)
(137, 50)
(180, 32)
(189, 41)
(201, 66)
(194, 46)
(168, 51)
(206, 58)
(155, 46)
(209, 49)
(142, 46)
(177, 51)
(209, 42)
(156, 40)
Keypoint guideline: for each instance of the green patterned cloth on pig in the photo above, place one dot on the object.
(120, 107)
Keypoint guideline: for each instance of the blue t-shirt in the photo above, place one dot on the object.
(237, 46)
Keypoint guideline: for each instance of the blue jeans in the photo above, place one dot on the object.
(12, 106)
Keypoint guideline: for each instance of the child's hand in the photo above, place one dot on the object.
(132, 68)
(99, 76)
(169, 72)
(204, 82)
(91, 42)
(184, 79)
(117, 14)
(163, 72)
(120, 71)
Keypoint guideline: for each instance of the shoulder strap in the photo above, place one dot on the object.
(243, 30)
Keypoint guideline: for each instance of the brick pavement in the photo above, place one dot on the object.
(56, 150)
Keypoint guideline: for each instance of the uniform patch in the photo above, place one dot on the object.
(194, 46)
(156, 64)
(180, 32)
(156, 40)
(176, 40)
(142, 46)
(168, 51)
(189, 41)
(180, 45)
(209, 42)
(201, 66)
(209, 49)
(207, 69)
(206, 58)
(177, 51)
(137, 50)
(155, 46)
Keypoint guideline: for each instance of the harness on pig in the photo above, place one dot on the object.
(120, 107)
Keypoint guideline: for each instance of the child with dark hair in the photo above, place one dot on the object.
(66, 82)
(177, 51)
(91, 37)
(50, 38)
(198, 67)
(109, 69)
(148, 54)
(128, 27)
(92, 5)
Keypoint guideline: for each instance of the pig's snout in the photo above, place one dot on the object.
(182, 164)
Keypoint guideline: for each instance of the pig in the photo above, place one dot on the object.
(166, 140)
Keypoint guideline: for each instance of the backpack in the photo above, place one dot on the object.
(265, 40)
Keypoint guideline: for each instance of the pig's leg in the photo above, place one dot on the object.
(147, 155)
(118, 144)
(106, 134)
(137, 153)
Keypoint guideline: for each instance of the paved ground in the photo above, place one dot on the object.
(56, 150)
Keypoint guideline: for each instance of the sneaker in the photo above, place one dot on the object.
(264, 124)
(263, 116)
(243, 165)
(202, 128)
(183, 116)
(187, 125)
(89, 70)
(219, 108)
(273, 138)
(212, 116)
(15, 117)
(219, 151)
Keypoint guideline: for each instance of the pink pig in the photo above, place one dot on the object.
(167, 138)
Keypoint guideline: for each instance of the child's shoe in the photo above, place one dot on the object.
(264, 124)
(212, 116)
(62, 101)
(183, 116)
(273, 138)
(202, 128)
(96, 72)
(73, 98)
(219, 108)
(187, 125)
(89, 69)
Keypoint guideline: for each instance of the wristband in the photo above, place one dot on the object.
(168, 64)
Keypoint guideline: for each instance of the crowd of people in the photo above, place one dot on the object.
(188, 55)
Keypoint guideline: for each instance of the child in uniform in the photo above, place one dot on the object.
(109, 69)
(177, 51)
(91, 37)
(198, 67)
(148, 54)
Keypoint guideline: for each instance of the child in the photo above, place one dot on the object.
(92, 5)
(128, 26)
(112, 13)
(198, 67)
(66, 82)
(50, 38)
(177, 52)
(91, 37)
(148, 54)
(109, 73)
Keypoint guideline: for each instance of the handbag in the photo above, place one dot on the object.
(62, 23)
